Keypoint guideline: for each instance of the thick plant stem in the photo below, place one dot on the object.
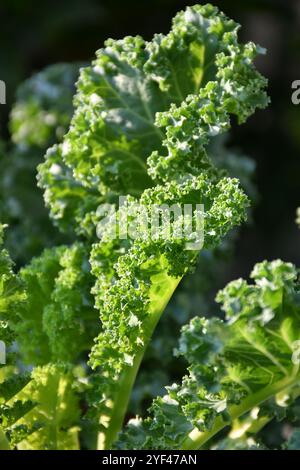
(115, 420)
(4, 444)
(158, 303)
(196, 439)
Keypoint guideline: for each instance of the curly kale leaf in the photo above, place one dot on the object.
(235, 365)
(12, 296)
(58, 320)
(148, 110)
(146, 115)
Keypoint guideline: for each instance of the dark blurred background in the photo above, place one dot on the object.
(34, 34)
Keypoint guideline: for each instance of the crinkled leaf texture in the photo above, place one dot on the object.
(146, 115)
(235, 365)
(162, 100)
(38, 410)
(58, 320)
(11, 297)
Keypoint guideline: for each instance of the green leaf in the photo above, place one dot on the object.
(236, 364)
(146, 114)
(162, 99)
(43, 106)
(72, 205)
(56, 413)
(58, 321)
(11, 292)
(12, 296)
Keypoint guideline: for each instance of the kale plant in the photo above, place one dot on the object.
(89, 325)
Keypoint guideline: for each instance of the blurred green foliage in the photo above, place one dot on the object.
(39, 118)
